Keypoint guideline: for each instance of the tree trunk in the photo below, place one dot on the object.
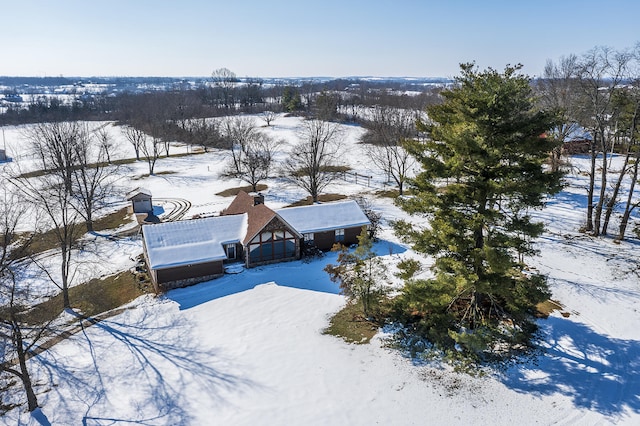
(603, 186)
(89, 221)
(629, 206)
(591, 188)
(64, 269)
(32, 400)
(614, 196)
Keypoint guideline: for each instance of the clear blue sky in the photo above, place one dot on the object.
(286, 38)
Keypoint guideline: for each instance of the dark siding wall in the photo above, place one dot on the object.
(189, 271)
(326, 240)
(351, 235)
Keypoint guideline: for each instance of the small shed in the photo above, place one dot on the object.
(3, 155)
(140, 200)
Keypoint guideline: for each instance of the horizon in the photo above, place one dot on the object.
(349, 77)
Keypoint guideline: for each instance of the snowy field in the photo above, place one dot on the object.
(248, 349)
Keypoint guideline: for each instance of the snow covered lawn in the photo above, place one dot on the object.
(248, 348)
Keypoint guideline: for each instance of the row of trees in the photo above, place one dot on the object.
(74, 183)
(598, 93)
(225, 94)
(313, 162)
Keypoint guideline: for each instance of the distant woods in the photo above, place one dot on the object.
(174, 101)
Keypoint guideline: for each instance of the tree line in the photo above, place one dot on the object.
(598, 94)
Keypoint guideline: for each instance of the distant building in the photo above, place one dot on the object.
(3, 155)
(578, 141)
(13, 97)
(191, 251)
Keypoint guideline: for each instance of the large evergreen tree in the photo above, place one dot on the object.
(482, 170)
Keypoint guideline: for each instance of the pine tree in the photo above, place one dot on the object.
(482, 170)
(291, 100)
(360, 273)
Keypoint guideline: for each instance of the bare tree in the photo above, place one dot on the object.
(325, 106)
(252, 151)
(224, 80)
(54, 145)
(394, 161)
(268, 116)
(136, 137)
(256, 161)
(387, 131)
(374, 217)
(240, 133)
(48, 194)
(93, 178)
(57, 146)
(106, 142)
(251, 93)
(17, 337)
(313, 160)
(205, 133)
(630, 127)
(600, 71)
(151, 150)
(558, 91)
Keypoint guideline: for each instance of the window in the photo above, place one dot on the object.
(231, 251)
(339, 235)
(308, 237)
(272, 245)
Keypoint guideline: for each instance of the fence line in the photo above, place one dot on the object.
(364, 180)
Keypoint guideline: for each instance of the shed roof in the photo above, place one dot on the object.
(193, 241)
(138, 191)
(324, 217)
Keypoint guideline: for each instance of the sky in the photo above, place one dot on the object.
(303, 38)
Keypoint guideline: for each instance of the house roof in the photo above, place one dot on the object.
(138, 191)
(578, 133)
(242, 203)
(193, 241)
(324, 217)
(258, 217)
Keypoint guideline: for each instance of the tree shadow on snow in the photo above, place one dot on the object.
(300, 274)
(159, 370)
(595, 371)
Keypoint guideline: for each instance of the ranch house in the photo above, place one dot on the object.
(248, 232)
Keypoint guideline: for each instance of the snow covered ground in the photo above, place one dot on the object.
(248, 348)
